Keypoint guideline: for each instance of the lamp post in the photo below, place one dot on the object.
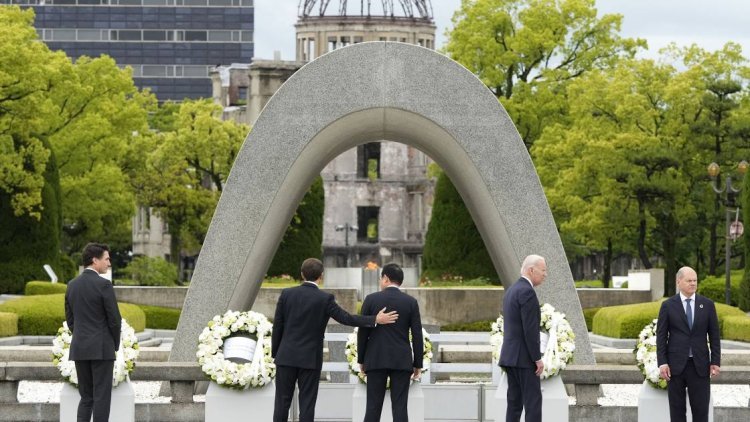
(346, 228)
(733, 230)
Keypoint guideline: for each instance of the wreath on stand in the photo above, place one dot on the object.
(352, 355)
(645, 356)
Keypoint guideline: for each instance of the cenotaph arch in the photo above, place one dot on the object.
(365, 93)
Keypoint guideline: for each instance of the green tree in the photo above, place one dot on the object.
(453, 246)
(743, 300)
(527, 51)
(304, 236)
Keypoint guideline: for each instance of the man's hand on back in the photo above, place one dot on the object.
(384, 317)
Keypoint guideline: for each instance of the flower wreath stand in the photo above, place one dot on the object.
(234, 351)
(653, 403)
(557, 343)
(122, 405)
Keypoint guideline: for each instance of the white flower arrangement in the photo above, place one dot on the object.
(560, 346)
(257, 373)
(124, 358)
(645, 356)
(352, 355)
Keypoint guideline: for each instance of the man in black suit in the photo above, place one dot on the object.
(94, 319)
(387, 352)
(685, 321)
(299, 327)
(520, 356)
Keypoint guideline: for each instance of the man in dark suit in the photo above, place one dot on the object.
(685, 321)
(299, 327)
(387, 352)
(520, 356)
(94, 319)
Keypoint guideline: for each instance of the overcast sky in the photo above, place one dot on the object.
(710, 24)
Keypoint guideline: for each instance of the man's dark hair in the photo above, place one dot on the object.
(394, 273)
(312, 269)
(93, 250)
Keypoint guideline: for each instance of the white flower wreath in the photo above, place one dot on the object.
(352, 354)
(124, 358)
(560, 346)
(645, 356)
(257, 373)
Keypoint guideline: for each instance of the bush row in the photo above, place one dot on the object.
(8, 324)
(35, 288)
(714, 287)
(161, 318)
(44, 315)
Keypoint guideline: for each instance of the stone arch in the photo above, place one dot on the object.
(363, 93)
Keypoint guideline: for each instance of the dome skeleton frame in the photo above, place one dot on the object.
(410, 8)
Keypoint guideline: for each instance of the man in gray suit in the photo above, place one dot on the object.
(520, 356)
(94, 319)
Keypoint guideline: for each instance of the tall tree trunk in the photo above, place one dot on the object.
(713, 241)
(642, 241)
(607, 274)
(669, 233)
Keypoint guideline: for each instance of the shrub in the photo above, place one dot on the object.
(485, 325)
(160, 317)
(304, 235)
(453, 244)
(34, 288)
(589, 283)
(151, 271)
(627, 321)
(43, 315)
(8, 324)
(715, 287)
(588, 315)
(736, 327)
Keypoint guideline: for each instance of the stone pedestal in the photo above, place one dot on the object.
(653, 405)
(415, 407)
(554, 400)
(121, 409)
(225, 404)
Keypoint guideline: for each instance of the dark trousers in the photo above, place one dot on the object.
(524, 392)
(376, 384)
(698, 389)
(286, 378)
(95, 388)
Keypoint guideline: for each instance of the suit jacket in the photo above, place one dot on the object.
(388, 346)
(93, 317)
(299, 325)
(521, 318)
(674, 339)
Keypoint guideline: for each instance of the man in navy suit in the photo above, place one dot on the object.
(387, 351)
(520, 356)
(685, 321)
(299, 327)
(94, 319)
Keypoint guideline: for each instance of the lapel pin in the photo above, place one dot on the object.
(701, 306)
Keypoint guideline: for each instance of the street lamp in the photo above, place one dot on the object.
(346, 228)
(734, 229)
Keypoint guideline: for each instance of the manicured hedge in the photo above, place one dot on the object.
(714, 287)
(35, 288)
(44, 315)
(736, 327)
(588, 315)
(627, 321)
(469, 326)
(8, 324)
(160, 317)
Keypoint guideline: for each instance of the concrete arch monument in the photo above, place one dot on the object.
(364, 93)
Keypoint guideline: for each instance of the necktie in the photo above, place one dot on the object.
(689, 313)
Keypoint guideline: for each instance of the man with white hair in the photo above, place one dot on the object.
(520, 356)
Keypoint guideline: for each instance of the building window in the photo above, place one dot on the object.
(367, 224)
(154, 35)
(357, 40)
(368, 161)
(331, 43)
(196, 36)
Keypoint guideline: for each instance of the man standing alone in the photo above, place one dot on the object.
(387, 352)
(685, 321)
(94, 319)
(520, 356)
(299, 327)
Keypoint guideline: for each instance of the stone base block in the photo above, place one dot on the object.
(415, 407)
(254, 404)
(554, 400)
(121, 409)
(653, 405)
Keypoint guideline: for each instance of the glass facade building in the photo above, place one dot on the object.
(170, 44)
